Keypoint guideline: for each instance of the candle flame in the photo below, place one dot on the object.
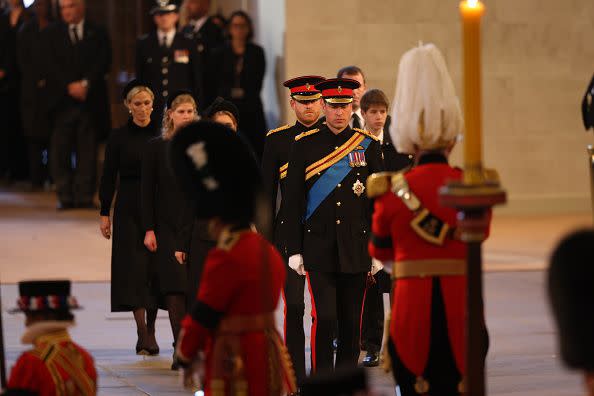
(472, 3)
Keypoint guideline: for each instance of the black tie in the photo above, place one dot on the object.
(75, 38)
(356, 122)
(164, 41)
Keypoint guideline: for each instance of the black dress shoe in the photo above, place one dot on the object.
(64, 206)
(372, 359)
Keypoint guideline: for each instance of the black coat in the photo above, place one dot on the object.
(130, 272)
(393, 160)
(277, 148)
(32, 58)
(249, 81)
(90, 59)
(161, 203)
(205, 40)
(167, 69)
(334, 238)
(9, 84)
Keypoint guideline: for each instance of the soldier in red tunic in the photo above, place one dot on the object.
(56, 366)
(412, 231)
(232, 321)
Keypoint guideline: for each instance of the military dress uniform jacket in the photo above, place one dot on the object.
(167, 69)
(55, 366)
(394, 238)
(334, 238)
(275, 162)
(233, 321)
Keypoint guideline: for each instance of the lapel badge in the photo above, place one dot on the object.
(358, 188)
(339, 89)
(308, 87)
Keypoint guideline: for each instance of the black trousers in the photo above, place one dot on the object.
(337, 298)
(293, 326)
(38, 168)
(372, 319)
(441, 372)
(73, 133)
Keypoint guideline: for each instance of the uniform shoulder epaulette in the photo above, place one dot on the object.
(380, 183)
(228, 240)
(270, 132)
(366, 133)
(306, 133)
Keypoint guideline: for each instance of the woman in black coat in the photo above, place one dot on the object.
(130, 269)
(32, 60)
(162, 202)
(240, 67)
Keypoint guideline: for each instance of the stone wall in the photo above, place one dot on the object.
(538, 59)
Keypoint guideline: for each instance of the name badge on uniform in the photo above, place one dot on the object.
(181, 56)
(357, 159)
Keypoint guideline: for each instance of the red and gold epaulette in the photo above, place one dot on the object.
(381, 182)
(306, 133)
(282, 128)
(366, 133)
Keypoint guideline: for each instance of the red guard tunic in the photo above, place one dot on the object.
(395, 239)
(232, 320)
(56, 366)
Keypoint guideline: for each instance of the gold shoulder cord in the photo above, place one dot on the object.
(307, 133)
(282, 128)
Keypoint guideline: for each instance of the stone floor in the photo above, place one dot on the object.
(37, 242)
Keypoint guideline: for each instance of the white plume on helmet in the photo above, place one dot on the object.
(426, 110)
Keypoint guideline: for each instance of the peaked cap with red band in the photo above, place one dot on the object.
(303, 88)
(338, 90)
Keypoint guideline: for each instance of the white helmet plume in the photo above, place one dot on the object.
(426, 112)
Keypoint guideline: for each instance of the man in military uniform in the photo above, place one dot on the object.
(328, 217)
(165, 58)
(305, 102)
(206, 36)
(55, 365)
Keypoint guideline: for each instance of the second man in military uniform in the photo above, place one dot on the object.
(305, 102)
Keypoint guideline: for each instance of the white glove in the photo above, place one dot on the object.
(296, 264)
(376, 266)
(388, 266)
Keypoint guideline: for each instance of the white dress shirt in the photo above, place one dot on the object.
(79, 31)
(168, 37)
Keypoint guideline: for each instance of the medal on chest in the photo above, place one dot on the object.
(358, 188)
(357, 159)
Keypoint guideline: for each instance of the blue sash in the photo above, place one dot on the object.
(328, 181)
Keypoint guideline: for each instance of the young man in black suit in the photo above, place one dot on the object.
(166, 60)
(206, 36)
(78, 63)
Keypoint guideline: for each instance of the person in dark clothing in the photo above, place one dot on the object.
(79, 60)
(32, 58)
(240, 67)
(588, 106)
(305, 102)
(13, 155)
(569, 284)
(206, 36)
(223, 112)
(129, 259)
(161, 203)
(374, 110)
(327, 222)
(165, 58)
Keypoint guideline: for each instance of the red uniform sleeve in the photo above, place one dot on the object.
(217, 287)
(25, 374)
(380, 244)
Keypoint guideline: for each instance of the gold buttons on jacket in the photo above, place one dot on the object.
(338, 203)
(337, 221)
(339, 185)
